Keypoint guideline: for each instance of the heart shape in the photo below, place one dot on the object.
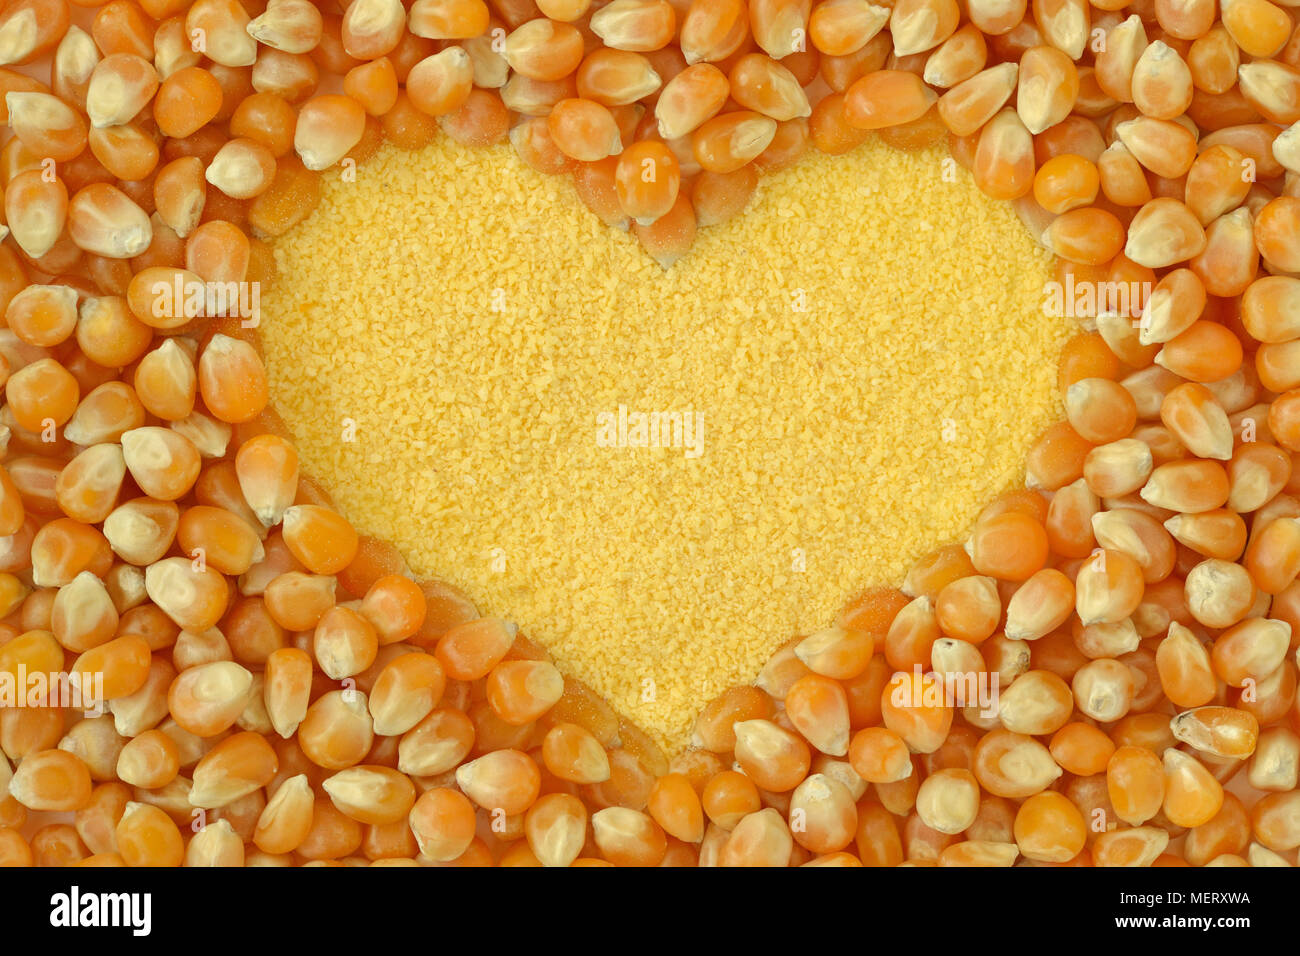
(864, 388)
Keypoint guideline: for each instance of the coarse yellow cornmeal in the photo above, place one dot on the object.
(464, 353)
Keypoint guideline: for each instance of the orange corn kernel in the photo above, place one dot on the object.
(887, 98)
(647, 180)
